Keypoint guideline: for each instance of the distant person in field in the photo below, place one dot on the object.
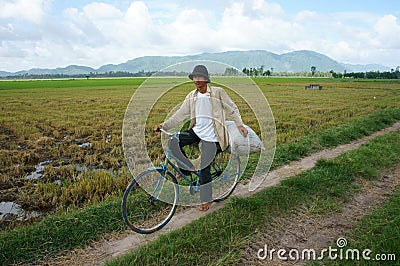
(206, 106)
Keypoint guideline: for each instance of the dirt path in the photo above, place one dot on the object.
(116, 245)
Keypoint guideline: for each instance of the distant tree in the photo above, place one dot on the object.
(313, 69)
(255, 72)
(261, 70)
(230, 71)
(267, 73)
(337, 75)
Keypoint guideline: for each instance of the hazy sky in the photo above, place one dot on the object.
(55, 33)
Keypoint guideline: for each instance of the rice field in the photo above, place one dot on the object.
(60, 140)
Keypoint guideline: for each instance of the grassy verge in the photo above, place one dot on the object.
(59, 233)
(217, 238)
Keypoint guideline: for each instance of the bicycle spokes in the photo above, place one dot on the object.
(145, 213)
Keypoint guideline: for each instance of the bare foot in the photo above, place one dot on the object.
(205, 206)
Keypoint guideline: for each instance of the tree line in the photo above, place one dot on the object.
(249, 71)
(260, 71)
(393, 74)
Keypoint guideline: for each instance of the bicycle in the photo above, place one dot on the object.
(151, 198)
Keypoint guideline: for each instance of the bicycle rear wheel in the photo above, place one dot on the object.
(145, 206)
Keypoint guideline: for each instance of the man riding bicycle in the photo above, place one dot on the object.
(206, 107)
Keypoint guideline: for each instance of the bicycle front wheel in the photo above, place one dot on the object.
(150, 201)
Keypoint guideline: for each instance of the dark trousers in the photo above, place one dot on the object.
(208, 152)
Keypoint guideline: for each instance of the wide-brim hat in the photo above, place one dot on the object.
(200, 70)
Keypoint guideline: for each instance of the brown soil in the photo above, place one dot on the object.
(116, 245)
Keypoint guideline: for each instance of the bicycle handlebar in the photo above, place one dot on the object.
(166, 132)
(171, 134)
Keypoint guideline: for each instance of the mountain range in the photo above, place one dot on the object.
(297, 61)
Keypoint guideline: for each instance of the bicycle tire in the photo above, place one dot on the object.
(145, 213)
(234, 177)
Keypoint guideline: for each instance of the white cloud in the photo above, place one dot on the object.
(190, 32)
(98, 10)
(9, 50)
(387, 31)
(16, 32)
(81, 29)
(138, 15)
(28, 10)
(239, 29)
(363, 45)
(262, 8)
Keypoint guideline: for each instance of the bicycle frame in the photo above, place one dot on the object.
(193, 183)
(167, 162)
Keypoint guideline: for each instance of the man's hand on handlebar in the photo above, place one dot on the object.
(157, 128)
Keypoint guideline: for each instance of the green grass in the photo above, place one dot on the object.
(221, 234)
